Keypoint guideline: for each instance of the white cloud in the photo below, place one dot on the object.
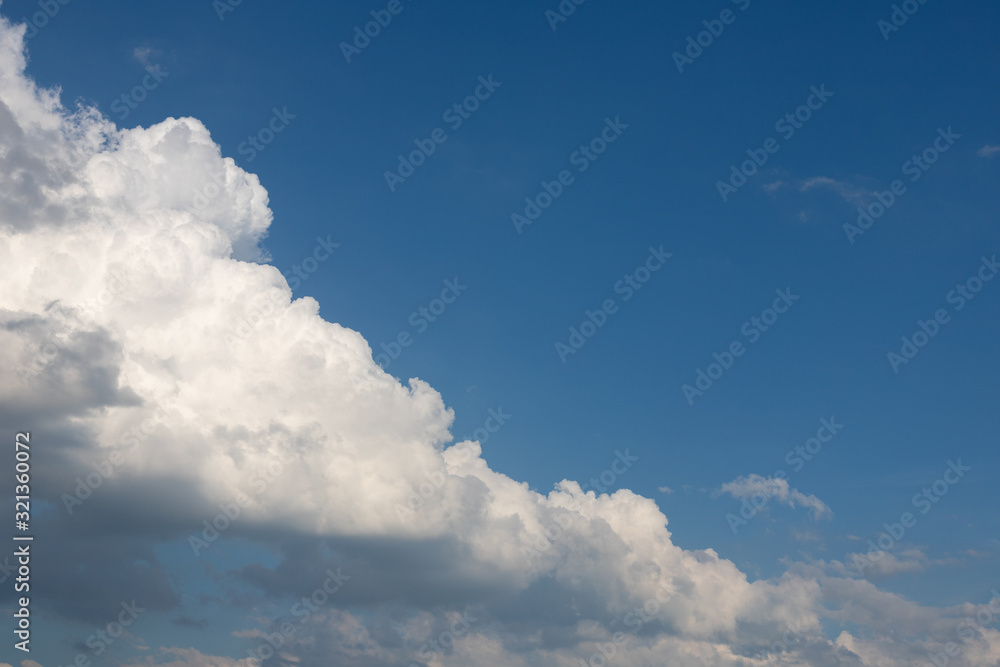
(190, 657)
(751, 486)
(849, 192)
(878, 565)
(988, 151)
(144, 55)
(886, 564)
(771, 188)
(125, 306)
(126, 260)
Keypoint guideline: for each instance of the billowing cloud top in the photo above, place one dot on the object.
(143, 335)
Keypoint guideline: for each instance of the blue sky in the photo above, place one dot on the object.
(655, 186)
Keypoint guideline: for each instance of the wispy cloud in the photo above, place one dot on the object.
(144, 55)
(885, 566)
(745, 488)
(988, 151)
(849, 192)
(806, 536)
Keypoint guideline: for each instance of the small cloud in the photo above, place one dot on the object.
(188, 657)
(145, 55)
(884, 565)
(753, 486)
(665, 489)
(881, 564)
(818, 181)
(846, 191)
(989, 151)
(771, 188)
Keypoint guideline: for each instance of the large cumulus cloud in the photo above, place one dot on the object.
(144, 328)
